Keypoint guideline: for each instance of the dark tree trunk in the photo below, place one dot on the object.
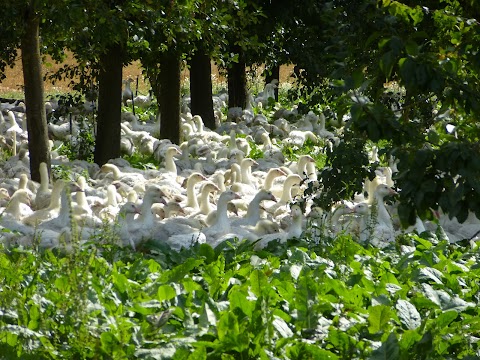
(201, 88)
(107, 142)
(169, 97)
(237, 81)
(273, 73)
(34, 94)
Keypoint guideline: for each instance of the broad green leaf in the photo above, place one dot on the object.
(180, 271)
(408, 339)
(199, 354)
(227, 326)
(379, 318)
(166, 292)
(62, 283)
(445, 318)
(390, 349)
(300, 351)
(386, 63)
(238, 299)
(408, 314)
(109, 342)
(258, 282)
(341, 341)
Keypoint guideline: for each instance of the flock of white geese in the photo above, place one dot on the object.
(206, 190)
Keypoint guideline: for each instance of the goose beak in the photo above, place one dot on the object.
(392, 192)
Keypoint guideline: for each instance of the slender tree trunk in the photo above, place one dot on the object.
(237, 81)
(201, 88)
(34, 93)
(272, 73)
(169, 98)
(107, 142)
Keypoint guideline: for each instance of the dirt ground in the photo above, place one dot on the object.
(12, 85)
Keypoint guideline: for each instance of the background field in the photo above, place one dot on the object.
(12, 85)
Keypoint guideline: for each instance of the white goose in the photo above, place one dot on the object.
(108, 210)
(285, 193)
(125, 221)
(146, 221)
(294, 231)
(272, 174)
(300, 166)
(376, 225)
(205, 204)
(130, 178)
(49, 212)
(43, 194)
(221, 225)
(253, 211)
(192, 180)
(19, 205)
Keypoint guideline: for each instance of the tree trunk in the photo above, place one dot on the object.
(169, 98)
(201, 88)
(34, 94)
(107, 142)
(272, 73)
(237, 81)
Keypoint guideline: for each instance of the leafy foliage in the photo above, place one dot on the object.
(231, 302)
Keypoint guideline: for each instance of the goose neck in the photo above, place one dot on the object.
(170, 164)
(205, 207)
(55, 196)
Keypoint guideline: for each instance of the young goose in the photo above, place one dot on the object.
(221, 225)
(294, 231)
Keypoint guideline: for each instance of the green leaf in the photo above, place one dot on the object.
(109, 342)
(386, 63)
(445, 318)
(408, 339)
(227, 327)
(390, 349)
(411, 47)
(166, 292)
(300, 351)
(408, 314)
(199, 354)
(238, 299)
(379, 318)
(258, 282)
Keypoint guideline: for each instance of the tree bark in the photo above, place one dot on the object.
(273, 73)
(34, 93)
(201, 88)
(237, 81)
(107, 142)
(169, 98)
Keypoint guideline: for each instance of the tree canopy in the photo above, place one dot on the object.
(396, 71)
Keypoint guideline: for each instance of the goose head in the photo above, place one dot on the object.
(266, 195)
(228, 196)
(361, 209)
(383, 190)
(129, 208)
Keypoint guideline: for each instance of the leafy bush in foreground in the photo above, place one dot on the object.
(290, 301)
